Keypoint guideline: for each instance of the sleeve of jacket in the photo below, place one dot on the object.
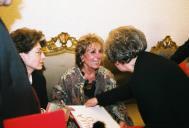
(115, 95)
(117, 110)
(182, 53)
(63, 90)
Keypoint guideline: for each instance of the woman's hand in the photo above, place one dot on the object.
(67, 111)
(123, 124)
(91, 102)
(43, 110)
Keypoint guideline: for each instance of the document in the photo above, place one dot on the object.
(87, 116)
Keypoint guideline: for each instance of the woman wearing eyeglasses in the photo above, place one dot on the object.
(28, 43)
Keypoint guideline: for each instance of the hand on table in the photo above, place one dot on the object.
(91, 102)
(67, 111)
(123, 124)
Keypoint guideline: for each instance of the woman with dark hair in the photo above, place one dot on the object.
(28, 43)
(88, 78)
(158, 85)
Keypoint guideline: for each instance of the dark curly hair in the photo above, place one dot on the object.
(25, 39)
(125, 43)
(83, 43)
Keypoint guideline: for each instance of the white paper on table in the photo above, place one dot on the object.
(87, 116)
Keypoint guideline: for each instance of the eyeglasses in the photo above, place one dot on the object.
(40, 52)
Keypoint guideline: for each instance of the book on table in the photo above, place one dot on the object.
(85, 117)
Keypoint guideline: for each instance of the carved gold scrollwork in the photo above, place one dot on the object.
(61, 43)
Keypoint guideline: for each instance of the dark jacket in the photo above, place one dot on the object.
(182, 53)
(160, 89)
(17, 97)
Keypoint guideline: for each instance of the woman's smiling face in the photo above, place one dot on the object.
(93, 56)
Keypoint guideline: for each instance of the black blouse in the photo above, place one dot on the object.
(39, 84)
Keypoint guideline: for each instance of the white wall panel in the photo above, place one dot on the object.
(157, 18)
